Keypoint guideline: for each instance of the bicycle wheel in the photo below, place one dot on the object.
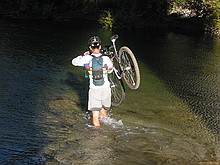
(129, 67)
(117, 89)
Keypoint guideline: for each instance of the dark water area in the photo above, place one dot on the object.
(188, 64)
(173, 118)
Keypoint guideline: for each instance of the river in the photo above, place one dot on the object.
(173, 118)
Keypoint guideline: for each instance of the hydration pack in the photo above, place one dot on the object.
(97, 71)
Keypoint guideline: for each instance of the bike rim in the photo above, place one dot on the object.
(128, 68)
(117, 91)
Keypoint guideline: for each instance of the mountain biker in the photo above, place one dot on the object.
(99, 97)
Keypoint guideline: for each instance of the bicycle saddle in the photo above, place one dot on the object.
(114, 37)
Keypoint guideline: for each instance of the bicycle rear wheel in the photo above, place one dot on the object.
(117, 89)
(129, 67)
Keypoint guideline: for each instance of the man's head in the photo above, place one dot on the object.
(94, 43)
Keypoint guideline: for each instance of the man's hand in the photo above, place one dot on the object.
(86, 53)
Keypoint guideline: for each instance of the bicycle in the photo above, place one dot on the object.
(125, 67)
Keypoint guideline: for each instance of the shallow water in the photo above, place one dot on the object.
(173, 118)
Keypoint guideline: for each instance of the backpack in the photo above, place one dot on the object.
(97, 71)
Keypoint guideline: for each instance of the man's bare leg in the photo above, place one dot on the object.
(103, 113)
(95, 118)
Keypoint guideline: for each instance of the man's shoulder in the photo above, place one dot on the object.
(87, 57)
(107, 61)
(105, 58)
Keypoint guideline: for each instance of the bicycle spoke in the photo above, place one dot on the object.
(117, 90)
(115, 94)
(129, 67)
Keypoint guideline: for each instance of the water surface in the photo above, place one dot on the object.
(173, 118)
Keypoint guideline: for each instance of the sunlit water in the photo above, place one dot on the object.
(173, 118)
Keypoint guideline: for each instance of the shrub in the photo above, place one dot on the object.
(106, 20)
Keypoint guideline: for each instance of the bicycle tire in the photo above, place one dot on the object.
(117, 90)
(129, 67)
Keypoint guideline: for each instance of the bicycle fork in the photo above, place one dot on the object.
(117, 73)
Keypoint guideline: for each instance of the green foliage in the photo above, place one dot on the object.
(205, 12)
(106, 20)
(126, 14)
(130, 14)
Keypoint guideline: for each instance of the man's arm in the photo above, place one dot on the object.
(77, 61)
(109, 64)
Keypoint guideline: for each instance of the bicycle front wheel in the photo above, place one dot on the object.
(117, 89)
(129, 67)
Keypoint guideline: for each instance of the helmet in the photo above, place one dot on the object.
(94, 41)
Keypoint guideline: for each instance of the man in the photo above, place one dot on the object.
(99, 86)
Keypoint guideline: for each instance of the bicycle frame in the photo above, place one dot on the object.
(124, 66)
(113, 40)
(115, 55)
(119, 75)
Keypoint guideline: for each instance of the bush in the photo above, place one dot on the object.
(106, 20)
(206, 12)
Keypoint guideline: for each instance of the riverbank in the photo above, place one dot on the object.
(142, 14)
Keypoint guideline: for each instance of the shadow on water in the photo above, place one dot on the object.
(31, 60)
(189, 67)
(20, 86)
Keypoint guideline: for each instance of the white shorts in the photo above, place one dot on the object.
(99, 98)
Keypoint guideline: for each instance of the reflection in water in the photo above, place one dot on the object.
(44, 100)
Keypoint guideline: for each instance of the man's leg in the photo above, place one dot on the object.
(95, 118)
(106, 102)
(103, 113)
